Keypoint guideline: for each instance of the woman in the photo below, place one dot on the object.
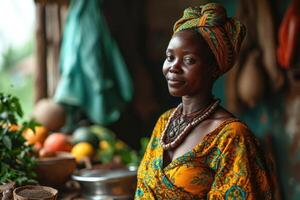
(199, 150)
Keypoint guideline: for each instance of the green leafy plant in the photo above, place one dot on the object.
(17, 160)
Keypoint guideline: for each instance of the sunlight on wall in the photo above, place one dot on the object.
(17, 18)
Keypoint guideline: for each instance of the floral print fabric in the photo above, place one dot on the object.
(227, 164)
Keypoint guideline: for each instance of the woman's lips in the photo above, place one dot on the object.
(175, 82)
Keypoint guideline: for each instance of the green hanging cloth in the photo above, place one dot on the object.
(94, 76)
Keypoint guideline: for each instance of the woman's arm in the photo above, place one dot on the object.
(240, 171)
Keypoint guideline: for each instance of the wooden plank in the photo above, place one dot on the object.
(41, 85)
(59, 2)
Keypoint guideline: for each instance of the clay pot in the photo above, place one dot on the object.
(35, 192)
(55, 171)
(251, 81)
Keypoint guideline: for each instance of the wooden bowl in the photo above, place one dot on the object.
(35, 192)
(55, 171)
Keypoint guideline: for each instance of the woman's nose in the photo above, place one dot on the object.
(175, 67)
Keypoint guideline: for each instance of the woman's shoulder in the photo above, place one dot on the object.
(236, 133)
(236, 128)
(229, 126)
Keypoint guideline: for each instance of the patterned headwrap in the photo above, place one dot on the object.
(224, 35)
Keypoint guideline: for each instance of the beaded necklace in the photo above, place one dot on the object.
(179, 126)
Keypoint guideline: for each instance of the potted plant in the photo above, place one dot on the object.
(17, 160)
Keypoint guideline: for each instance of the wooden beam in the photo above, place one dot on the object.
(41, 86)
(59, 2)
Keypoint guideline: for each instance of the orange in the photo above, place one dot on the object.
(39, 135)
(11, 127)
(104, 145)
(81, 150)
(14, 127)
(120, 145)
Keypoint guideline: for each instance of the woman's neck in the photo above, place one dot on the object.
(195, 103)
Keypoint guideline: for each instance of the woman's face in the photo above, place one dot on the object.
(186, 67)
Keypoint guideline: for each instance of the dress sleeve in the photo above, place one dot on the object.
(239, 167)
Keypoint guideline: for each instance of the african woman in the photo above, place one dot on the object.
(199, 150)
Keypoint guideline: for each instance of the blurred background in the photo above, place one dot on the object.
(77, 64)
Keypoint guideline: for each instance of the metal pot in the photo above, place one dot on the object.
(99, 184)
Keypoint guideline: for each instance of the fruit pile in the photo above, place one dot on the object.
(97, 143)
(47, 144)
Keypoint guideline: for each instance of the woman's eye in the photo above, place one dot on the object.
(189, 60)
(169, 58)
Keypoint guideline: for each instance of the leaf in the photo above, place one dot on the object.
(33, 124)
(16, 157)
(11, 118)
(1, 107)
(18, 108)
(7, 142)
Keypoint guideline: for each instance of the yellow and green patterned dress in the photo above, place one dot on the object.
(225, 165)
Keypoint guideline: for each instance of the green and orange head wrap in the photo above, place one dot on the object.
(224, 35)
